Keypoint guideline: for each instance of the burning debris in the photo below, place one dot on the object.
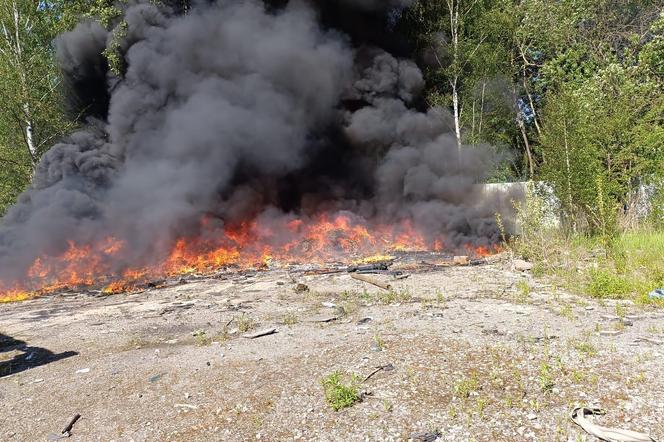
(236, 135)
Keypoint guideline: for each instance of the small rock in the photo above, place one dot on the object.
(156, 377)
(301, 288)
(532, 416)
(328, 304)
(610, 317)
(424, 436)
(522, 266)
(609, 332)
(461, 260)
(365, 320)
(375, 346)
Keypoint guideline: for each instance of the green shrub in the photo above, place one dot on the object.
(606, 284)
(339, 395)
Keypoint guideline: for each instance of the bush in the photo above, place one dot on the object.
(606, 284)
(339, 395)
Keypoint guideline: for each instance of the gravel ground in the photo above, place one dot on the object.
(481, 353)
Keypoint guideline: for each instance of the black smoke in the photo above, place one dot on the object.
(237, 109)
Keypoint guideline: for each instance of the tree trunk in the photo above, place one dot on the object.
(479, 131)
(526, 143)
(568, 170)
(455, 104)
(27, 114)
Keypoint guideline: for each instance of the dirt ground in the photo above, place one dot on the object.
(482, 353)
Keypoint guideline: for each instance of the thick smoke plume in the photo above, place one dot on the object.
(236, 111)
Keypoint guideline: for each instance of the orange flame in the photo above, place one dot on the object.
(322, 239)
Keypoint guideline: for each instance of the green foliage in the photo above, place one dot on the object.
(605, 283)
(31, 119)
(113, 52)
(464, 387)
(338, 394)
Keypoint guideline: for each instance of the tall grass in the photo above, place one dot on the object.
(622, 265)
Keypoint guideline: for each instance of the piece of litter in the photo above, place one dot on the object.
(36, 381)
(609, 332)
(604, 433)
(328, 304)
(650, 340)
(656, 294)
(67, 430)
(425, 436)
(156, 377)
(387, 367)
(532, 416)
(83, 370)
(258, 334)
(189, 406)
(322, 318)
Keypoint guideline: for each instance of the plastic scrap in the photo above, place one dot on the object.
(604, 433)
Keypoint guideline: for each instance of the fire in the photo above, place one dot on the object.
(256, 243)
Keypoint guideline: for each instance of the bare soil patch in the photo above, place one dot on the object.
(476, 353)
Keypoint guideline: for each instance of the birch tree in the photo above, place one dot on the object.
(457, 40)
(31, 120)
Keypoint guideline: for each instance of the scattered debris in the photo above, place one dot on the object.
(230, 322)
(386, 367)
(603, 433)
(610, 317)
(328, 304)
(425, 436)
(322, 318)
(368, 267)
(83, 370)
(189, 406)
(66, 431)
(461, 260)
(656, 294)
(522, 266)
(258, 334)
(156, 377)
(650, 340)
(371, 280)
